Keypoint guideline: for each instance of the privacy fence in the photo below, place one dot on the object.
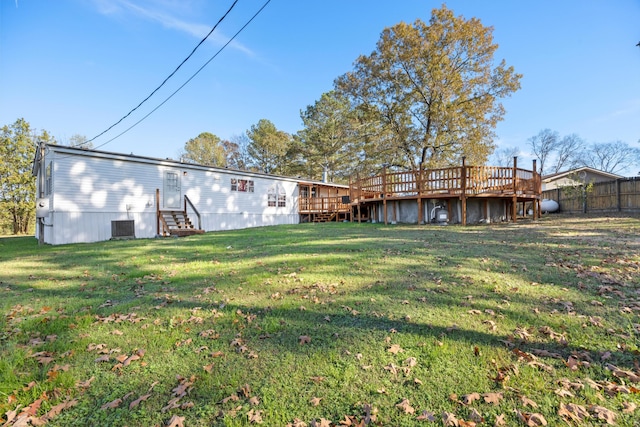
(621, 195)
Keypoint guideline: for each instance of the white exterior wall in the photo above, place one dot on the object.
(89, 191)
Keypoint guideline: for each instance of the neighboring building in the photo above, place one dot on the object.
(579, 176)
(89, 195)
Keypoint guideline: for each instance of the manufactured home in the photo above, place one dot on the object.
(89, 195)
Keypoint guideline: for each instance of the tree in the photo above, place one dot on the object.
(205, 149)
(17, 184)
(612, 157)
(80, 141)
(504, 156)
(267, 146)
(329, 142)
(434, 88)
(543, 145)
(236, 152)
(568, 153)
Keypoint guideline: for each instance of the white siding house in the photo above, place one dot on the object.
(80, 193)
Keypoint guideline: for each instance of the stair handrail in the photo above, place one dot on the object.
(187, 200)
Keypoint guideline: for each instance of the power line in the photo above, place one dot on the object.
(168, 77)
(189, 79)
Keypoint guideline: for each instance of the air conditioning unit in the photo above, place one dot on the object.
(123, 229)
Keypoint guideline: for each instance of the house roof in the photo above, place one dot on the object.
(170, 162)
(555, 176)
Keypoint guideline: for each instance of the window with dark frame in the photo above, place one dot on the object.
(242, 185)
(47, 180)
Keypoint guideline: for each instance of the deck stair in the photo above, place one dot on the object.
(177, 223)
(324, 217)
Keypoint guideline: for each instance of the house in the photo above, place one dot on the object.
(578, 176)
(90, 195)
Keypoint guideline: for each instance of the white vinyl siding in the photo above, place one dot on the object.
(90, 191)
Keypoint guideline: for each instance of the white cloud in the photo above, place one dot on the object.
(164, 12)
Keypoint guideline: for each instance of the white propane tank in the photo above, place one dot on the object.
(547, 205)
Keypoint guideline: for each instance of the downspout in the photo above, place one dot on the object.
(41, 178)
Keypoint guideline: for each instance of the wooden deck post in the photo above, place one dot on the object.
(157, 211)
(419, 194)
(536, 200)
(463, 196)
(384, 193)
(514, 204)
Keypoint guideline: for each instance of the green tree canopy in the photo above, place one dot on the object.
(205, 149)
(329, 140)
(434, 89)
(17, 184)
(268, 147)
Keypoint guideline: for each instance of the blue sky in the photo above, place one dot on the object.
(77, 66)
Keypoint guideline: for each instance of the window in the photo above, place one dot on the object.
(271, 196)
(243, 185)
(277, 196)
(282, 200)
(47, 180)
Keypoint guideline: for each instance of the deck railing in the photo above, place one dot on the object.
(447, 182)
(323, 204)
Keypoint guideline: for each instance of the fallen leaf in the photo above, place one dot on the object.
(493, 398)
(111, 405)
(395, 349)
(528, 402)
(500, 421)
(254, 401)
(449, 419)
(426, 416)
(255, 417)
(176, 421)
(304, 339)
(531, 419)
(573, 412)
(628, 407)
(603, 413)
(315, 401)
(476, 416)
(468, 399)
(405, 406)
(411, 362)
(139, 400)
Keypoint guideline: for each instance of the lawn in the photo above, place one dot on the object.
(534, 323)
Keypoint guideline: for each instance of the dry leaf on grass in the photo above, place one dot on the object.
(426, 416)
(395, 349)
(573, 412)
(531, 419)
(304, 339)
(500, 421)
(176, 421)
(603, 413)
(315, 401)
(139, 400)
(628, 407)
(493, 398)
(449, 419)
(468, 399)
(405, 406)
(255, 417)
(528, 402)
(111, 405)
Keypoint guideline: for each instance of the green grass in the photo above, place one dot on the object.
(485, 309)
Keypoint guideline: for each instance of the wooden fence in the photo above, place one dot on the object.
(621, 195)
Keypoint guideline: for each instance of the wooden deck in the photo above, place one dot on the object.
(462, 182)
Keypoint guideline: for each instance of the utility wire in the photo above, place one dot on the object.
(170, 75)
(190, 78)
